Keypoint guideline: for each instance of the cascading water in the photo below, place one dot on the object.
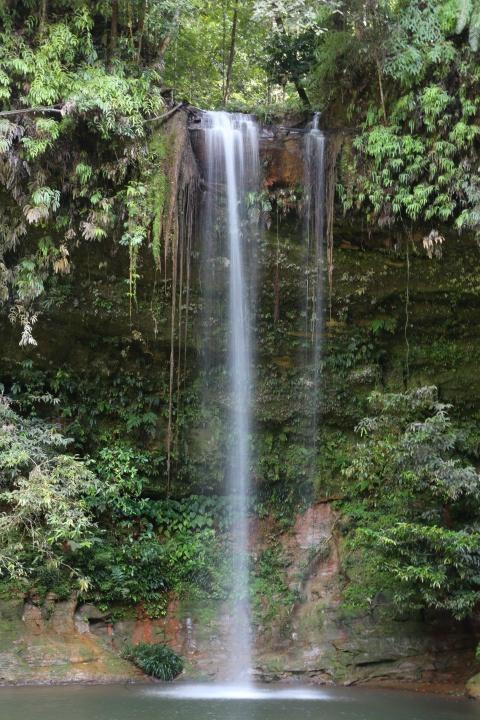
(232, 172)
(314, 173)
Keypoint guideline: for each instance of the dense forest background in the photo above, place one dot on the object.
(82, 85)
(98, 494)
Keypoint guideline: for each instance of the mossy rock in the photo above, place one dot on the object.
(472, 687)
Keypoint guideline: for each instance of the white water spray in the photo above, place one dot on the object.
(314, 170)
(232, 162)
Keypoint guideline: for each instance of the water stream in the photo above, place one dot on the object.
(314, 209)
(232, 172)
(232, 177)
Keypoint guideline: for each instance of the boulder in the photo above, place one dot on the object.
(472, 687)
(90, 612)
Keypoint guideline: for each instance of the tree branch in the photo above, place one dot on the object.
(167, 114)
(25, 111)
(58, 109)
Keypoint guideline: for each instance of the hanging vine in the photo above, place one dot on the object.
(175, 231)
(135, 233)
(174, 249)
(334, 147)
(407, 308)
(179, 331)
(276, 310)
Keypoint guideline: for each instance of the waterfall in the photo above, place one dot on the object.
(232, 172)
(314, 173)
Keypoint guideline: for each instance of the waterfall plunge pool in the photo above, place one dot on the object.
(207, 702)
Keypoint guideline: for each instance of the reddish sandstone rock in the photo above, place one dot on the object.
(41, 645)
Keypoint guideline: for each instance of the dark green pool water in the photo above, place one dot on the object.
(151, 703)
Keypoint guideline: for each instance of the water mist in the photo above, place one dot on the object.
(314, 208)
(232, 172)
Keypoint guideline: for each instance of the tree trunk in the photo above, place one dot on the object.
(166, 40)
(130, 23)
(141, 26)
(302, 93)
(224, 42)
(298, 86)
(164, 43)
(43, 16)
(380, 87)
(113, 32)
(231, 53)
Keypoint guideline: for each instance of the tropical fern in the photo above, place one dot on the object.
(155, 659)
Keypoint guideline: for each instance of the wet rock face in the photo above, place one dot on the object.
(319, 642)
(283, 155)
(315, 641)
(328, 646)
(281, 152)
(44, 644)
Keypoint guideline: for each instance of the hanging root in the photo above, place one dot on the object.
(409, 239)
(177, 229)
(333, 150)
(276, 309)
(172, 353)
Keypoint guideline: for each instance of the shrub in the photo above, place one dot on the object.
(44, 520)
(155, 659)
(413, 503)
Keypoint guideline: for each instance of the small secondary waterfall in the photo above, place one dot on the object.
(314, 172)
(232, 172)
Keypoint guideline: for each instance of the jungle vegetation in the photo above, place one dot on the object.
(85, 88)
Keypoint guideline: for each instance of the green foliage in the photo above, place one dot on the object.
(334, 449)
(284, 465)
(349, 50)
(272, 598)
(415, 158)
(413, 506)
(156, 660)
(122, 471)
(383, 324)
(416, 43)
(289, 57)
(91, 116)
(46, 522)
(151, 548)
(128, 568)
(418, 169)
(147, 547)
(97, 404)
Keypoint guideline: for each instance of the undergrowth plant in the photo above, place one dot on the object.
(412, 502)
(156, 660)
